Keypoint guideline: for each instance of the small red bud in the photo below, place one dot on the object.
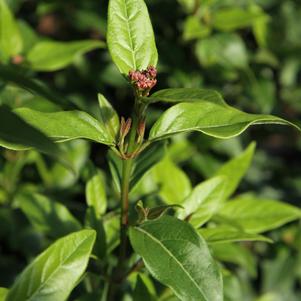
(152, 71)
(141, 131)
(144, 80)
(125, 126)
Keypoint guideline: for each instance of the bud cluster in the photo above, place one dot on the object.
(144, 80)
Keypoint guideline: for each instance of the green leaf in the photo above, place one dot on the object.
(174, 185)
(142, 291)
(29, 36)
(111, 223)
(96, 193)
(235, 169)
(269, 297)
(189, 5)
(235, 253)
(130, 35)
(3, 293)
(48, 216)
(92, 221)
(146, 160)
(259, 215)
(16, 76)
(55, 272)
(58, 176)
(10, 38)
(115, 165)
(17, 134)
(108, 117)
(66, 125)
(212, 117)
(185, 94)
(171, 189)
(230, 19)
(179, 258)
(227, 50)
(204, 200)
(51, 56)
(260, 26)
(194, 28)
(225, 234)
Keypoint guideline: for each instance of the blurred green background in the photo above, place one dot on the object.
(250, 51)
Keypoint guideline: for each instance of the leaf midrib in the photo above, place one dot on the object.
(127, 21)
(175, 259)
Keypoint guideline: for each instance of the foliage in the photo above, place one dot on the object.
(130, 198)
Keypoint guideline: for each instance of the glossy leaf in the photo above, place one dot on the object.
(224, 234)
(17, 134)
(108, 116)
(66, 125)
(96, 193)
(259, 215)
(204, 200)
(10, 38)
(55, 272)
(185, 95)
(212, 117)
(235, 169)
(51, 56)
(130, 35)
(47, 216)
(179, 258)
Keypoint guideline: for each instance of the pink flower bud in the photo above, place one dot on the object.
(143, 80)
(152, 71)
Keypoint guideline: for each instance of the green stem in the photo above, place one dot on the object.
(125, 189)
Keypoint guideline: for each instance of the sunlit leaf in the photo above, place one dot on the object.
(212, 117)
(66, 125)
(130, 35)
(54, 273)
(51, 56)
(235, 169)
(108, 116)
(204, 200)
(96, 193)
(256, 215)
(10, 38)
(224, 234)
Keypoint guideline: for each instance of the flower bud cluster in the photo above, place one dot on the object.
(144, 80)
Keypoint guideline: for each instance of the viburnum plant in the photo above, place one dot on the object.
(177, 243)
